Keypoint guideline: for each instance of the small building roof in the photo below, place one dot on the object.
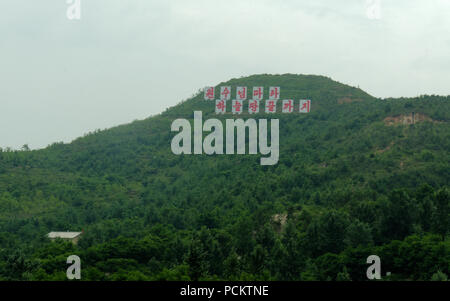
(67, 235)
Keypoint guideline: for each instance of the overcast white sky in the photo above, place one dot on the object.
(127, 60)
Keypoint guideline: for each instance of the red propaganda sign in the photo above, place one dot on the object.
(271, 106)
(209, 93)
(241, 93)
(274, 93)
(221, 106)
(237, 106)
(253, 106)
(258, 93)
(305, 106)
(288, 106)
(225, 92)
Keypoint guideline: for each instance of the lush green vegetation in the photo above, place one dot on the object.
(346, 186)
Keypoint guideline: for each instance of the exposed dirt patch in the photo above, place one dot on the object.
(407, 119)
(347, 100)
(380, 151)
(279, 221)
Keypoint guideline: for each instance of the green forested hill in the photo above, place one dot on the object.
(353, 179)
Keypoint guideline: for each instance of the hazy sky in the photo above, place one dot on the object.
(126, 60)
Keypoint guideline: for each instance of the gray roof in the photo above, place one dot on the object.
(68, 235)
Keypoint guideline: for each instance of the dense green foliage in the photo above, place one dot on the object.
(346, 186)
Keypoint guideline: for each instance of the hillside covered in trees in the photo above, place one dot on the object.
(356, 176)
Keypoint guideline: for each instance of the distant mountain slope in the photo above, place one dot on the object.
(343, 156)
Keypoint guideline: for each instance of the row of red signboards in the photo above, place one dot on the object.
(270, 106)
(242, 93)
